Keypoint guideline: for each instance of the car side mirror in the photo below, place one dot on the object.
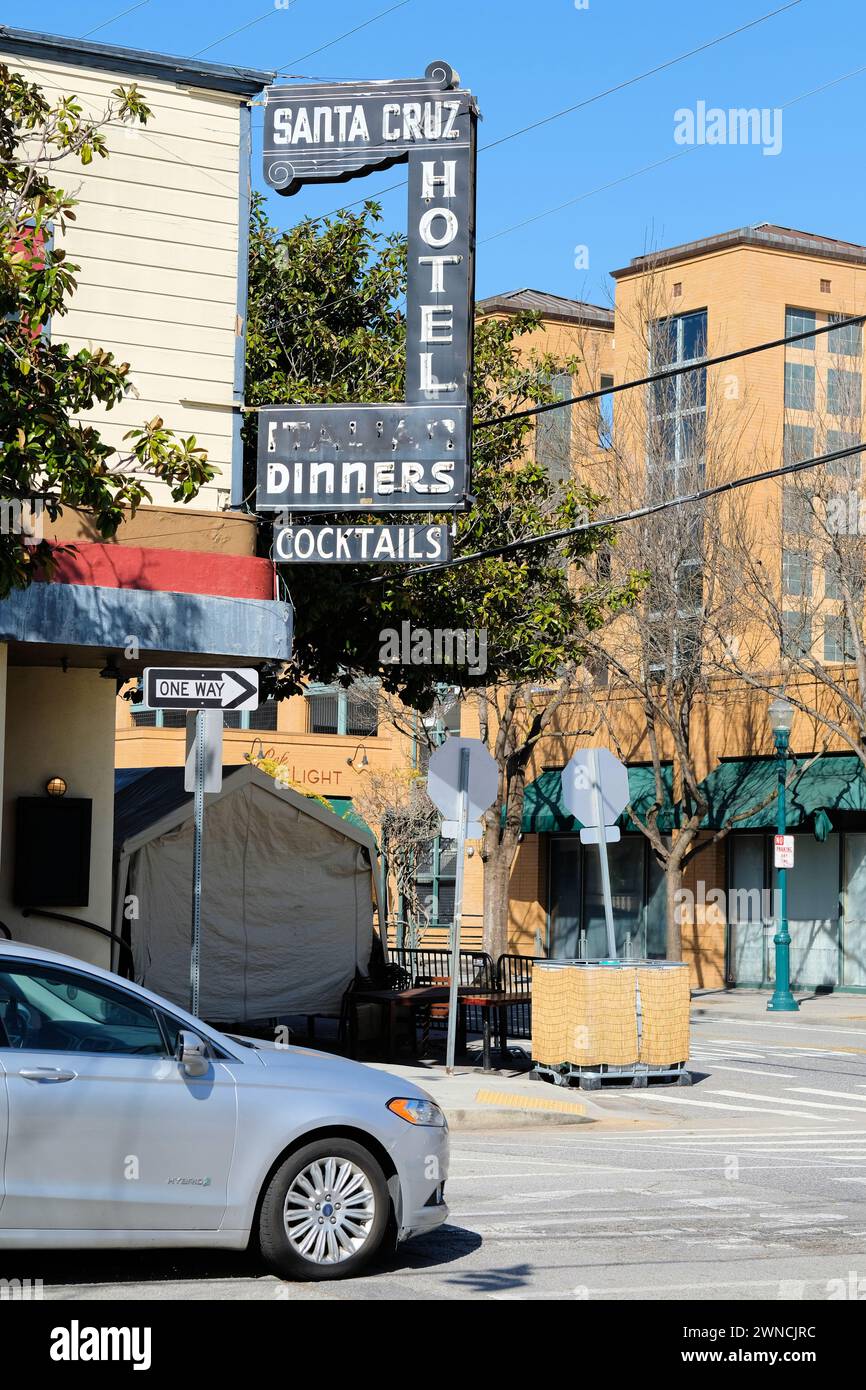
(192, 1053)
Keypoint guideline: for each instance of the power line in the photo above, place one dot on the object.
(588, 101)
(669, 372)
(636, 514)
(105, 23)
(242, 27)
(549, 212)
(651, 72)
(348, 33)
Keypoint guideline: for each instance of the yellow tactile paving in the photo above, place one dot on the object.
(563, 1107)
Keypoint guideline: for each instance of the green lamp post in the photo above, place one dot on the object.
(783, 1001)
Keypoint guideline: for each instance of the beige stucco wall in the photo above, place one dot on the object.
(60, 724)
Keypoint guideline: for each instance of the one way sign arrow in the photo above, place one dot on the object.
(178, 687)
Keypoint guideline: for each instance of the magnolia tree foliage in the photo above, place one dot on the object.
(46, 454)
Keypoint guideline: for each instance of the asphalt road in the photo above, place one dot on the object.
(749, 1185)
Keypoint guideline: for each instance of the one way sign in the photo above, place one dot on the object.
(178, 687)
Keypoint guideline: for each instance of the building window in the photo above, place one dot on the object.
(844, 392)
(678, 289)
(800, 321)
(842, 439)
(838, 644)
(799, 386)
(825, 286)
(796, 573)
(846, 342)
(435, 882)
(605, 414)
(799, 443)
(796, 633)
(678, 406)
(335, 709)
(264, 717)
(553, 432)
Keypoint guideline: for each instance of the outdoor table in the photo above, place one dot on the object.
(395, 999)
(487, 1001)
(411, 998)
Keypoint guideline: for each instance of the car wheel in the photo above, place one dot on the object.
(325, 1212)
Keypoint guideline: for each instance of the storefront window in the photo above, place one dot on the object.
(576, 908)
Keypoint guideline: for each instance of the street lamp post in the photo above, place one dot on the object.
(782, 1001)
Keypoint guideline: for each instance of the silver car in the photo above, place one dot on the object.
(126, 1122)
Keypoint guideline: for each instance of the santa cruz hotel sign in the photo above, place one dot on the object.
(410, 456)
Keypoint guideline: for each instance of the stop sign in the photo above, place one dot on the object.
(443, 778)
(590, 768)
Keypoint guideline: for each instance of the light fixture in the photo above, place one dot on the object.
(781, 715)
(365, 761)
(111, 670)
(56, 786)
(256, 757)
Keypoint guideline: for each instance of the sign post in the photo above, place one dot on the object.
(462, 780)
(462, 822)
(205, 693)
(198, 831)
(595, 791)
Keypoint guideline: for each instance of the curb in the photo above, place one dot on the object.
(510, 1117)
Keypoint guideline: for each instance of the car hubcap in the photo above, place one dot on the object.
(329, 1210)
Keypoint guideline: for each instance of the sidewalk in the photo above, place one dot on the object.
(506, 1098)
(476, 1099)
(844, 1010)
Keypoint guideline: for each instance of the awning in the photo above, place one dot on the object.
(342, 807)
(545, 813)
(834, 784)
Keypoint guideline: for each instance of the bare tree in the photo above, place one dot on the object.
(799, 583)
(655, 681)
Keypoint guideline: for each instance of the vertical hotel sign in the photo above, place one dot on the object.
(414, 455)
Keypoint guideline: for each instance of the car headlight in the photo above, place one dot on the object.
(417, 1112)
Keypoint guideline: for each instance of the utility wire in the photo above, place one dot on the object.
(588, 101)
(651, 72)
(647, 168)
(635, 515)
(249, 25)
(105, 23)
(348, 33)
(668, 373)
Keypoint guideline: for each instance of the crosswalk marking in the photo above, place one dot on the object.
(780, 1100)
(744, 1109)
(815, 1091)
(753, 1071)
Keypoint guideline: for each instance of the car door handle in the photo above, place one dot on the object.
(47, 1074)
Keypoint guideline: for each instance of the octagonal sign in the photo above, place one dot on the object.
(443, 778)
(588, 768)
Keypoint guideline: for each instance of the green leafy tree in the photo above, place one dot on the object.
(325, 325)
(46, 454)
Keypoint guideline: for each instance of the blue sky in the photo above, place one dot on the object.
(528, 60)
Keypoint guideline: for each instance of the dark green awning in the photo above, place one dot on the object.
(545, 813)
(834, 782)
(342, 807)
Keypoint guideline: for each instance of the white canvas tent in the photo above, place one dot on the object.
(287, 899)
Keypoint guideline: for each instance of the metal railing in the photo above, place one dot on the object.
(125, 968)
(421, 964)
(514, 976)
